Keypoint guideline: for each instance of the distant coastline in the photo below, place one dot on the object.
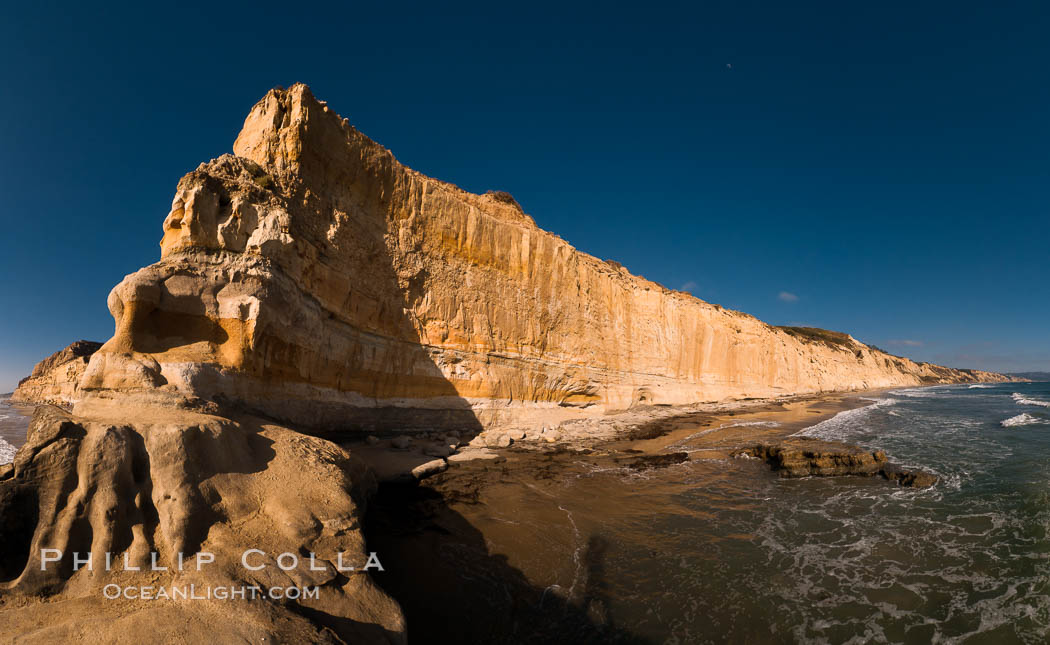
(1032, 376)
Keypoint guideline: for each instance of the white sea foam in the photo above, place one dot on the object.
(7, 452)
(1021, 399)
(979, 387)
(915, 392)
(829, 428)
(1023, 419)
(758, 424)
(735, 424)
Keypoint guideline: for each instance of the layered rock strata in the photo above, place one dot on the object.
(313, 278)
(56, 378)
(311, 282)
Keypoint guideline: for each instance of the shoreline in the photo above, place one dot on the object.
(14, 424)
(743, 424)
(703, 430)
(645, 429)
(471, 512)
(547, 543)
(707, 430)
(502, 524)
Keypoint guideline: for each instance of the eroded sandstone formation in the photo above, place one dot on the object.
(313, 278)
(145, 485)
(311, 282)
(56, 379)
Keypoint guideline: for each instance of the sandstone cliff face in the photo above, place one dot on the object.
(314, 278)
(56, 378)
(311, 278)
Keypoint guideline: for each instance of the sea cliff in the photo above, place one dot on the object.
(56, 379)
(311, 284)
(313, 278)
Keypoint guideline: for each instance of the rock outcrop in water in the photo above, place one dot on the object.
(56, 379)
(313, 278)
(816, 458)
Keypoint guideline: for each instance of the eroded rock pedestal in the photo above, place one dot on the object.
(145, 485)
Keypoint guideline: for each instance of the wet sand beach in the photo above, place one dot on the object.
(518, 549)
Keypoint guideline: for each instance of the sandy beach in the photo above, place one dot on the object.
(703, 431)
(520, 540)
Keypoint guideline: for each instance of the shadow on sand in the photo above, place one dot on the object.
(454, 590)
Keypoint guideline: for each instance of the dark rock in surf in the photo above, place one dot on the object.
(794, 458)
(912, 478)
(651, 462)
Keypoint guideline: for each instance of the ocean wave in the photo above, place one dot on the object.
(837, 555)
(759, 424)
(1021, 399)
(1023, 419)
(7, 452)
(979, 387)
(915, 392)
(828, 428)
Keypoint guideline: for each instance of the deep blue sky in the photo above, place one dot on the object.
(886, 163)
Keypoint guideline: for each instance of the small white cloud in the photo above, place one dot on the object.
(689, 286)
(787, 296)
(906, 343)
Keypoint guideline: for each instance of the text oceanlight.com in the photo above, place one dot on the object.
(193, 592)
